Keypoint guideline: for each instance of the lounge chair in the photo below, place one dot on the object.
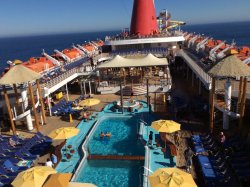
(14, 168)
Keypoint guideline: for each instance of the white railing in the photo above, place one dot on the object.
(203, 76)
(146, 166)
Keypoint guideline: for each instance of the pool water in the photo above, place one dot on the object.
(112, 173)
(123, 140)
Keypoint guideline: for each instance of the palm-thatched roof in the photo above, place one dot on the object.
(19, 74)
(230, 67)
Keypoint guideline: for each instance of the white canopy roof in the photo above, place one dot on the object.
(121, 62)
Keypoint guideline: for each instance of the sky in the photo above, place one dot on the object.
(34, 17)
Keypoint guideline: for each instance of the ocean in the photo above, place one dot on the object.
(23, 48)
(237, 31)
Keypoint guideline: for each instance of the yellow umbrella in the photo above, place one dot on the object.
(34, 177)
(89, 102)
(168, 126)
(64, 133)
(77, 184)
(171, 177)
(58, 180)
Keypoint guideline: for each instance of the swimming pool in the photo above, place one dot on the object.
(124, 141)
(112, 173)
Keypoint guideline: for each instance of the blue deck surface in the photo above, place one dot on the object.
(68, 166)
(157, 158)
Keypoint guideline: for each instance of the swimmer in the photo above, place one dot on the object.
(102, 135)
(108, 134)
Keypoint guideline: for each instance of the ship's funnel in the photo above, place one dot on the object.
(144, 21)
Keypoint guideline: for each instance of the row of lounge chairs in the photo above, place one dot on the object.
(211, 161)
(19, 157)
(64, 107)
(225, 164)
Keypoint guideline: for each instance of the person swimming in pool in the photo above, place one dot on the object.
(108, 134)
(101, 135)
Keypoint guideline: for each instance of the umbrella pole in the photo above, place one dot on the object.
(41, 101)
(16, 94)
(34, 107)
(9, 110)
(243, 103)
(211, 120)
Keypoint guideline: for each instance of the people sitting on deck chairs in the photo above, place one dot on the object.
(49, 163)
(86, 116)
(222, 138)
(74, 104)
(12, 142)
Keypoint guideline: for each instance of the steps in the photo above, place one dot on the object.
(136, 90)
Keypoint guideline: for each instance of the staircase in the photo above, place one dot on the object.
(135, 90)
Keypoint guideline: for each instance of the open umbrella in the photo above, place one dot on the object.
(167, 126)
(33, 177)
(58, 180)
(77, 184)
(64, 133)
(89, 102)
(171, 177)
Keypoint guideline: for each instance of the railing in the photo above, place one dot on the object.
(204, 77)
(118, 38)
(146, 166)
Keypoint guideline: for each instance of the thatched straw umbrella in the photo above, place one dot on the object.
(229, 67)
(19, 74)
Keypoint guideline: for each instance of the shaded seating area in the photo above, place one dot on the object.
(212, 161)
(17, 154)
(153, 50)
(64, 107)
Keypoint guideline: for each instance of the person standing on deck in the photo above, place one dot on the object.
(150, 139)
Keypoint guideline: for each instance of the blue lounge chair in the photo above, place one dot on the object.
(14, 168)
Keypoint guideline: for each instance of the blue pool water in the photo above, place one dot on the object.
(111, 173)
(123, 141)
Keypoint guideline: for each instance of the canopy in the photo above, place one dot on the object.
(19, 74)
(33, 177)
(64, 133)
(171, 177)
(230, 66)
(58, 180)
(121, 62)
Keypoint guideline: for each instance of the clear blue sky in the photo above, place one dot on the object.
(25, 17)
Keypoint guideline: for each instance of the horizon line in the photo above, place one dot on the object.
(96, 31)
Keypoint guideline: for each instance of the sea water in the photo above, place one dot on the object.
(23, 48)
